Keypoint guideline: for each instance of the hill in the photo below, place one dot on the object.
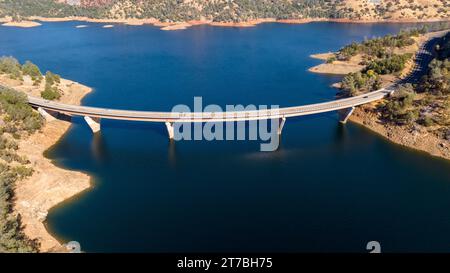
(230, 10)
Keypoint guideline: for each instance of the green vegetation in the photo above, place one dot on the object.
(217, 10)
(175, 10)
(357, 82)
(392, 64)
(51, 92)
(437, 81)
(17, 113)
(331, 59)
(428, 103)
(379, 47)
(16, 118)
(400, 108)
(10, 66)
(30, 69)
(379, 59)
(51, 78)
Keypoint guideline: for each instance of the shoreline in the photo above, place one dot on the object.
(49, 185)
(353, 65)
(22, 24)
(415, 138)
(412, 138)
(169, 26)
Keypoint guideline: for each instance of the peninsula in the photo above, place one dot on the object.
(35, 184)
(418, 114)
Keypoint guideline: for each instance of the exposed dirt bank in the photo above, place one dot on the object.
(416, 137)
(250, 23)
(49, 185)
(353, 65)
(336, 67)
(24, 24)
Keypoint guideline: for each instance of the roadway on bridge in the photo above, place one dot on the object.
(95, 112)
(422, 59)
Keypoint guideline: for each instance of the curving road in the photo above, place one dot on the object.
(423, 57)
(95, 112)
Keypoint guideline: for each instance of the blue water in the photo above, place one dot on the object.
(327, 188)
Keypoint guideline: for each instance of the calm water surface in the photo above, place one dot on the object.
(328, 188)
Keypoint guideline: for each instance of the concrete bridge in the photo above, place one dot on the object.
(93, 115)
(345, 106)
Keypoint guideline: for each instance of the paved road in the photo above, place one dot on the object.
(286, 112)
(423, 57)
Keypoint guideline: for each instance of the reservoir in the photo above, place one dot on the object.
(329, 187)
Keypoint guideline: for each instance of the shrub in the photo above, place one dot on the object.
(11, 66)
(33, 71)
(50, 93)
(51, 78)
(393, 64)
(377, 47)
(437, 81)
(18, 116)
(14, 104)
(399, 108)
(427, 121)
(331, 59)
(359, 81)
(22, 171)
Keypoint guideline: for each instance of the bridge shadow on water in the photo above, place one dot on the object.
(99, 142)
(158, 128)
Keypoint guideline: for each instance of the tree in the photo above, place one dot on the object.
(393, 64)
(50, 93)
(399, 108)
(51, 78)
(33, 71)
(11, 66)
(354, 83)
(18, 116)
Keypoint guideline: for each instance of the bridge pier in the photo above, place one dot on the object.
(281, 125)
(170, 130)
(344, 114)
(94, 123)
(45, 115)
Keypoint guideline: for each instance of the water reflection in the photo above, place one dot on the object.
(172, 153)
(99, 148)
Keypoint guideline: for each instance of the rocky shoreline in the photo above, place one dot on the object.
(415, 137)
(49, 185)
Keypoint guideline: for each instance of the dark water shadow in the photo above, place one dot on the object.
(156, 127)
(99, 148)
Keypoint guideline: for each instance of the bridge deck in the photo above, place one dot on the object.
(309, 109)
